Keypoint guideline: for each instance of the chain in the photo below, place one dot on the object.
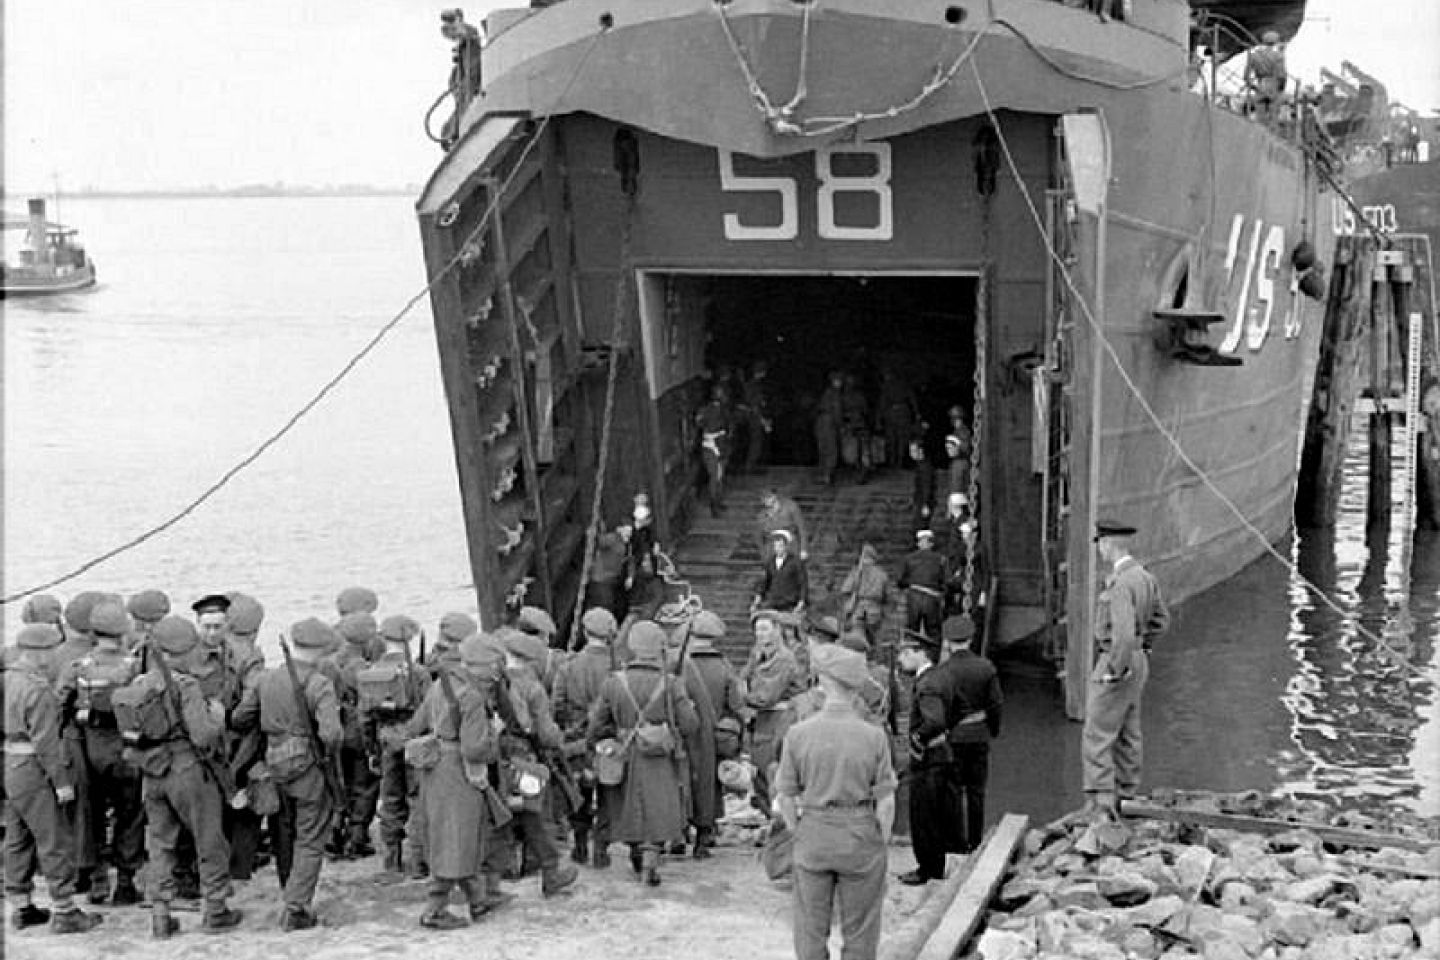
(977, 435)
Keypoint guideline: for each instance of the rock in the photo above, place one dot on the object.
(1307, 865)
(1236, 894)
(1154, 913)
(1125, 889)
(1079, 893)
(1040, 905)
(1102, 838)
(1154, 868)
(1359, 918)
(1068, 863)
(1298, 839)
(1034, 842)
(1224, 950)
(1088, 946)
(1396, 938)
(1424, 907)
(1193, 867)
(1005, 945)
(1137, 943)
(1293, 924)
(1022, 890)
(1052, 930)
(1429, 934)
(1312, 890)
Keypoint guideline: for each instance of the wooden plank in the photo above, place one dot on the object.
(986, 870)
(1341, 836)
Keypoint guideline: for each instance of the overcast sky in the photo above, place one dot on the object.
(165, 93)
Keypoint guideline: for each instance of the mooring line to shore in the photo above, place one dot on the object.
(334, 381)
(1094, 324)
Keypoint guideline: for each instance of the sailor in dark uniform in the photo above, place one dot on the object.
(922, 577)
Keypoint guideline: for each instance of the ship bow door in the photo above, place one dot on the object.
(496, 253)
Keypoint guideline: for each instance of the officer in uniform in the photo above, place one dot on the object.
(180, 787)
(533, 727)
(293, 757)
(390, 691)
(922, 577)
(40, 788)
(1129, 616)
(86, 686)
(837, 795)
(575, 690)
(954, 713)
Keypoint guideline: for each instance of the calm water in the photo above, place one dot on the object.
(216, 319)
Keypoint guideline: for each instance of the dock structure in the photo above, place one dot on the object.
(1380, 356)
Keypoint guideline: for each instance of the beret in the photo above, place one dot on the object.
(174, 635)
(41, 608)
(707, 625)
(358, 628)
(149, 605)
(527, 646)
(399, 627)
(313, 634)
(958, 627)
(599, 622)
(456, 626)
(108, 617)
(1112, 528)
(38, 636)
(211, 601)
(646, 640)
(77, 611)
(481, 653)
(842, 665)
(855, 640)
(356, 600)
(246, 615)
(535, 620)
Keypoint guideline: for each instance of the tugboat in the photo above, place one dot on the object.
(42, 257)
(1033, 205)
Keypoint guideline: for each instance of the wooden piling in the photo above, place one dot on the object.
(1377, 510)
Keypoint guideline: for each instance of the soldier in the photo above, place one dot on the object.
(606, 584)
(1265, 76)
(829, 415)
(538, 623)
(651, 707)
(837, 795)
(86, 688)
(389, 692)
(145, 609)
(772, 678)
(40, 785)
(242, 825)
(711, 684)
(79, 643)
(755, 406)
(713, 421)
(1130, 616)
(457, 711)
(575, 690)
(359, 636)
(922, 577)
(530, 730)
(291, 703)
(171, 728)
(779, 513)
(875, 699)
(42, 608)
(356, 600)
(867, 594)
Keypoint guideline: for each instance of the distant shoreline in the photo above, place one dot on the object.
(234, 193)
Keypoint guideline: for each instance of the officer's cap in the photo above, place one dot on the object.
(399, 627)
(356, 600)
(1112, 528)
(246, 615)
(599, 623)
(148, 606)
(456, 626)
(174, 635)
(41, 608)
(313, 634)
(108, 619)
(38, 636)
(535, 620)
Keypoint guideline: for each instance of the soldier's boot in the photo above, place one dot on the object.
(637, 859)
(704, 840)
(474, 891)
(126, 894)
(99, 891)
(437, 915)
(30, 916)
(74, 921)
(335, 846)
(557, 878)
(298, 918)
(495, 897)
(360, 845)
(1100, 805)
(221, 918)
(650, 859)
(417, 869)
(394, 859)
(600, 855)
(162, 925)
(580, 850)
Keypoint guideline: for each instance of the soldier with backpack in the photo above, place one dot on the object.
(360, 635)
(169, 729)
(576, 688)
(115, 808)
(389, 692)
(39, 786)
(646, 710)
(292, 704)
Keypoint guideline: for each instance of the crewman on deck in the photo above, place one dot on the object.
(922, 577)
(40, 785)
(783, 584)
(295, 759)
(759, 418)
(646, 699)
(837, 795)
(181, 792)
(1265, 76)
(779, 512)
(115, 808)
(933, 817)
(1130, 615)
(389, 693)
(575, 690)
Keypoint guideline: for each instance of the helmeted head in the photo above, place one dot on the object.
(457, 627)
(245, 616)
(42, 608)
(647, 641)
(358, 629)
(356, 600)
(482, 656)
(148, 606)
(174, 636)
(707, 627)
(524, 647)
(536, 621)
(841, 666)
(399, 629)
(77, 611)
(108, 621)
(598, 625)
(312, 638)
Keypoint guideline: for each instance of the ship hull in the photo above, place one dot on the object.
(46, 285)
(630, 219)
